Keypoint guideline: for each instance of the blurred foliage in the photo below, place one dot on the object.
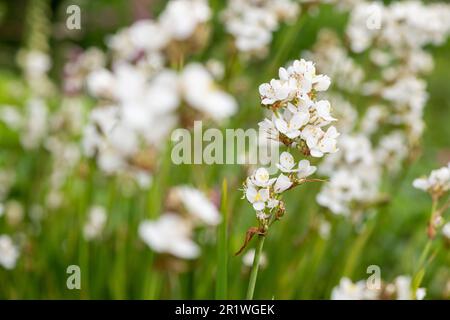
(301, 264)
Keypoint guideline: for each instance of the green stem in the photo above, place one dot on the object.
(254, 272)
(418, 276)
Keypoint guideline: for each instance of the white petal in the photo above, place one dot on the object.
(287, 160)
(281, 125)
(258, 206)
(282, 184)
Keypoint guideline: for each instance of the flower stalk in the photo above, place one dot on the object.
(255, 267)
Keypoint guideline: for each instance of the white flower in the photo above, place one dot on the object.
(96, 222)
(421, 183)
(320, 142)
(268, 128)
(261, 178)
(148, 35)
(282, 184)
(296, 118)
(292, 122)
(275, 91)
(421, 293)
(169, 234)
(321, 82)
(257, 198)
(198, 205)
(438, 181)
(287, 162)
(272, 203)
(323, 109)
(8, 252)
(305, 169)
(180, 18)
(343, 188)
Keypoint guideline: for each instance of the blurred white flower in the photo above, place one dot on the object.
(36, 63)
(198, 205)
(437, 183)
(11, 116)
(14, 212)
(9, 253)
(446, 230)
(180, 18)
(148, 35)
(252, 22)
(101, 83)
(247, 259)
(347, 290)
(392, 150)
(170, 234)
(354, 175)
(403, 289)
(340, 191)
(95, 223)
(201, 93)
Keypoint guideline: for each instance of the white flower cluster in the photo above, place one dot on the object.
(354, 175)
(297, 116)
(400, 289)
(172, 232)
(397, 93)
(141, 109)
(139, 98)
(297, 122)
(252, 22)
(437, 183)
(147, 40)
(403, 24)
(79, 65)
(56, 131)
(397, 49)
(332, 57)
